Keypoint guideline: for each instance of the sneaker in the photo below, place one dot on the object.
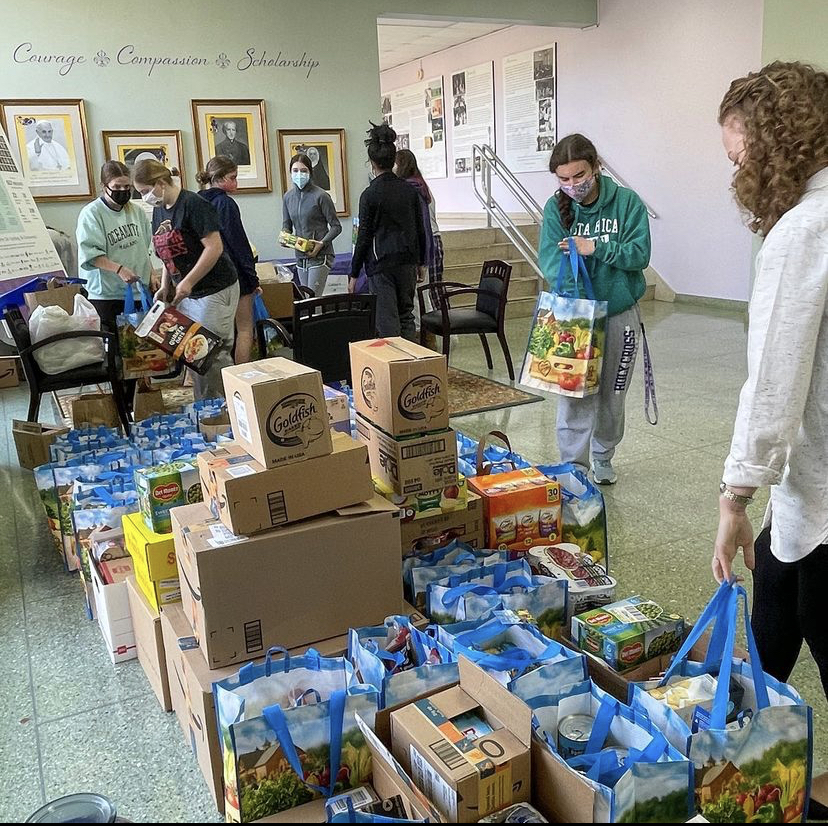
(603, 472)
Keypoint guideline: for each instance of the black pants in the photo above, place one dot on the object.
(789, 607)
(394, 288)
(109, 310)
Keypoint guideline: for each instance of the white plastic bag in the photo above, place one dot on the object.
(66, 355)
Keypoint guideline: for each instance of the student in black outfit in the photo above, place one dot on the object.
(391, 241)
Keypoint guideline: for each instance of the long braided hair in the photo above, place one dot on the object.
(571, 148)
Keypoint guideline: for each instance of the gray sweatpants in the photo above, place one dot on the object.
(216, 312)
(597, 421)
(394, 288)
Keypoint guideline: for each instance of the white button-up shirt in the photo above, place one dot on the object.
(781, 433)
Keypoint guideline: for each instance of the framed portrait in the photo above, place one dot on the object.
(238, 129)
(325, 149)
(131, 146)
(49, 142)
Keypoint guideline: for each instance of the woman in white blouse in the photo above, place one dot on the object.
(775, 130)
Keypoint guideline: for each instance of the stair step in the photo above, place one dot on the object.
(470, 273)
(477, 255)
(464, 238)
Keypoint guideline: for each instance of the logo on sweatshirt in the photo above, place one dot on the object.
(294, 421)
(421, 399)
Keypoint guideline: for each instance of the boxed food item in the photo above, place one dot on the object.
(339, 412)
(454, 497)
(112, 607)
(8, 372)
(467, 747)
(296, 242)
(249, 498)
(400, 386)
(180, 336)
(291, 586)
(278, 411)
(590, 586)
(33, 441)
(413, 464)
(522, 507)
(626, 633)
(164, 487)
(149, 642)
(422, 536)
(156, 571)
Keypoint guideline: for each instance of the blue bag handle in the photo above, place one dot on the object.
(311, 692)
(353, 816)
(260, 312)
(453, 595)
(129, 300)
(105, 496)
(275, 717)
(576, 264)
(601, 726)
(387, 656)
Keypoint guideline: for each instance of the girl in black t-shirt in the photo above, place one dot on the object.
(198, 276)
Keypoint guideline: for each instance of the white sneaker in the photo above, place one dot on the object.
(603, 473)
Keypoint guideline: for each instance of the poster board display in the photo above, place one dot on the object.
(472, 113)
(416, 113)
(530, 114)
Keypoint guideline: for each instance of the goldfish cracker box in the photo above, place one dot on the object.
(522, 509)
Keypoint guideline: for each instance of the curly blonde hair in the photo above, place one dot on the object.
(784, 110)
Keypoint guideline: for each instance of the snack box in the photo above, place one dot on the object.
(180, 336)
(288, 239)
(628, 632)
(164, 487)
(453, 497)
(339, 413)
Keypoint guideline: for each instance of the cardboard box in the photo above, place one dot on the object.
(304, 582)
(33, 441)
(453, 497)
(313, 812)
(55, 295)
(146, 622)
(468, 744)
(413, 464)
(8, 372)
(278, 296)
(214, 426)
(249, 498)
(153, 555)
(164, 487)
(339, 411)
(522, 508)
(278, 412)
(400, 386)
(113, 613)
(422, 536)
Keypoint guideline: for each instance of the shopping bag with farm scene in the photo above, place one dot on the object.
(140, 357)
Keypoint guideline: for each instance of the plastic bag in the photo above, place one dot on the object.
(62, 355)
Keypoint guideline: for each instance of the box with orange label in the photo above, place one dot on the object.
(522, 509)
(153, 554)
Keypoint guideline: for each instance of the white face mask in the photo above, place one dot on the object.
(152, 199)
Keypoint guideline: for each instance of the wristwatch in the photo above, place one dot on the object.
(725, 491)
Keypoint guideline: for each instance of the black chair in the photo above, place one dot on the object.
(487, 316)
(300, 293)
(324, 327)
(40, 382)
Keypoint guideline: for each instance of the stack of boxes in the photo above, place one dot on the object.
(401, 400)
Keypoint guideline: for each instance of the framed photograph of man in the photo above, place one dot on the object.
(49, 142)
(131, 146)
(237, 129)
(325, 149)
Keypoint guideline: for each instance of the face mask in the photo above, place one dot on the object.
(152, 199)
(580, 190)
(120, 196)
(300, 179)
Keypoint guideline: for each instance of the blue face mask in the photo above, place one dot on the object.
(300, 178)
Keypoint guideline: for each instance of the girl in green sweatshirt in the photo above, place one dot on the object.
(611, 230)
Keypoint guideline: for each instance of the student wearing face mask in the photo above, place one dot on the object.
(198, 276)
(611, 230)
(220, 177)
(309, 212)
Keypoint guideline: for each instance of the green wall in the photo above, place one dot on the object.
(796, 30)
(342, 91)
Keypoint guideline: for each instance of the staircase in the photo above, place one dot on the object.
(467, 249)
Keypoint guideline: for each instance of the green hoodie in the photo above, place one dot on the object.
(618, 224)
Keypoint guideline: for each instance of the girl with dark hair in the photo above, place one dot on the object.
(611, 230)
(775, 131)
(391, 240)
(221, 177)
(309, 212)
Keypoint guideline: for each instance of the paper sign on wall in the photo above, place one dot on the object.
(472, 113)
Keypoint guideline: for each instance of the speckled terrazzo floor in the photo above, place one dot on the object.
(70, 721)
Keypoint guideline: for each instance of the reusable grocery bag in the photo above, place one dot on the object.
(495, 458)
(753, 753)
(566, 339)
(140, 357)
(636, 776)
(352, 815)
(288, 732)
(400, 661)
(66, 355)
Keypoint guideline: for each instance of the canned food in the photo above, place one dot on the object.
(573, 734)
(518, 813)
(77, 808)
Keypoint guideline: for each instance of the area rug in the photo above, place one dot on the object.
(469, 393)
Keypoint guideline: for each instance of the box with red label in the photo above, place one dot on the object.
(522, 509)
(180, 336)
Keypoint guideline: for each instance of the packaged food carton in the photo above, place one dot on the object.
(112, 608)
(453, 497)
(422, 536)
(164, 487)
(153, 554)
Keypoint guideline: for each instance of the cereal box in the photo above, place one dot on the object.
(164, 487)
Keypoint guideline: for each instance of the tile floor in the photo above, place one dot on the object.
(70, 721)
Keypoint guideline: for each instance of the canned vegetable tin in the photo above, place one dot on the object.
(573, 734)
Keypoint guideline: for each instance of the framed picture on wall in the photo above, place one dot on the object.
(49, 141)
(130, 146)
(238, 129)
(325, 149)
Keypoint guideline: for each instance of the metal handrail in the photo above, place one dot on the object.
(619, 180)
